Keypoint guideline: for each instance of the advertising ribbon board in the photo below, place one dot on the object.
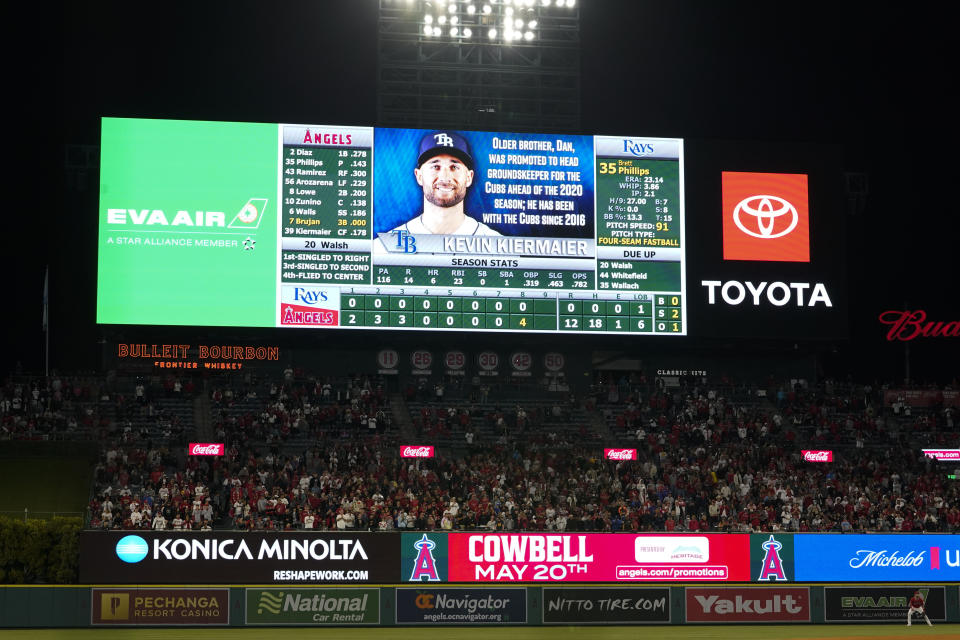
(231, 557)
(345, 606)
(747, 604)
(877, 558)
(606, 605)
(458, 606)
(880, 604)
(167, 607)
(570, 557)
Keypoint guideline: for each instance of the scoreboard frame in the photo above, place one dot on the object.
(588, 232)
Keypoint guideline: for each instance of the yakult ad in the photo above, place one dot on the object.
(559, 557)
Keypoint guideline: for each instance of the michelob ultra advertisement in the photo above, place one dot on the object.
(327, 226)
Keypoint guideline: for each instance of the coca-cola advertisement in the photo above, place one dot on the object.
(416, 451)
(810, 455)
(205, 449)
(620, 454)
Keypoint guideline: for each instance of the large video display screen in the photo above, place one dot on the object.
(289, 225)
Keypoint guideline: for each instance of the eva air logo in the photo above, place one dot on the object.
(269, 602)
(250, 215)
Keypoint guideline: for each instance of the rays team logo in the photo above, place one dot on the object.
(771, 557)
(424, 557)
(765, 217)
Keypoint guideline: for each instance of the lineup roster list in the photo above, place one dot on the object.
(326, 188)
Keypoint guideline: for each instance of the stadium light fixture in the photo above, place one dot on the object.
(506, 21)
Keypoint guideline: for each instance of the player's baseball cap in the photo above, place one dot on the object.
(445, 142)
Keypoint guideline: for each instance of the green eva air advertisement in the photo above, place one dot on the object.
(188, 219)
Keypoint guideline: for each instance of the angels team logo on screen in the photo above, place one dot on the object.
(766, 216)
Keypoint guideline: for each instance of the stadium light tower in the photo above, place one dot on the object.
(480, 64)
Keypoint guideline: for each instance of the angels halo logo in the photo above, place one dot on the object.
(765, 217)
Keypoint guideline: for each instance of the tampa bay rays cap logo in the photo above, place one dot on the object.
(445, 142)
(425, 566)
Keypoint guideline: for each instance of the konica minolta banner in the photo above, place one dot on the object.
(877, 558)
(184, 557)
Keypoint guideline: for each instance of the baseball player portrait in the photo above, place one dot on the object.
(444, 171)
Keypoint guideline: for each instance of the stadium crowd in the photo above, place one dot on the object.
(91, 407)
(302, 453)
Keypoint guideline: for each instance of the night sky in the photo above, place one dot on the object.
(874, 83)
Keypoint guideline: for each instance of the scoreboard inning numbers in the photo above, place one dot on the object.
(323, 226)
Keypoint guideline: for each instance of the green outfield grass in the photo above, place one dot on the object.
(764, 632)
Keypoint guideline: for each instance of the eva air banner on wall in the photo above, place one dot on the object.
(187, 223)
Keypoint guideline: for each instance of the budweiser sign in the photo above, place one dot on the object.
(817, 456)
(948, 455)
(907, 325)
(416, 451)
(620, 454)
(205, 449)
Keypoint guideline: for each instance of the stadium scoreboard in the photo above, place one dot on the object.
(235, 224)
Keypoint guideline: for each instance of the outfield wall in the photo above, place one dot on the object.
(384, 579)
(443, 605)
(358, 558)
